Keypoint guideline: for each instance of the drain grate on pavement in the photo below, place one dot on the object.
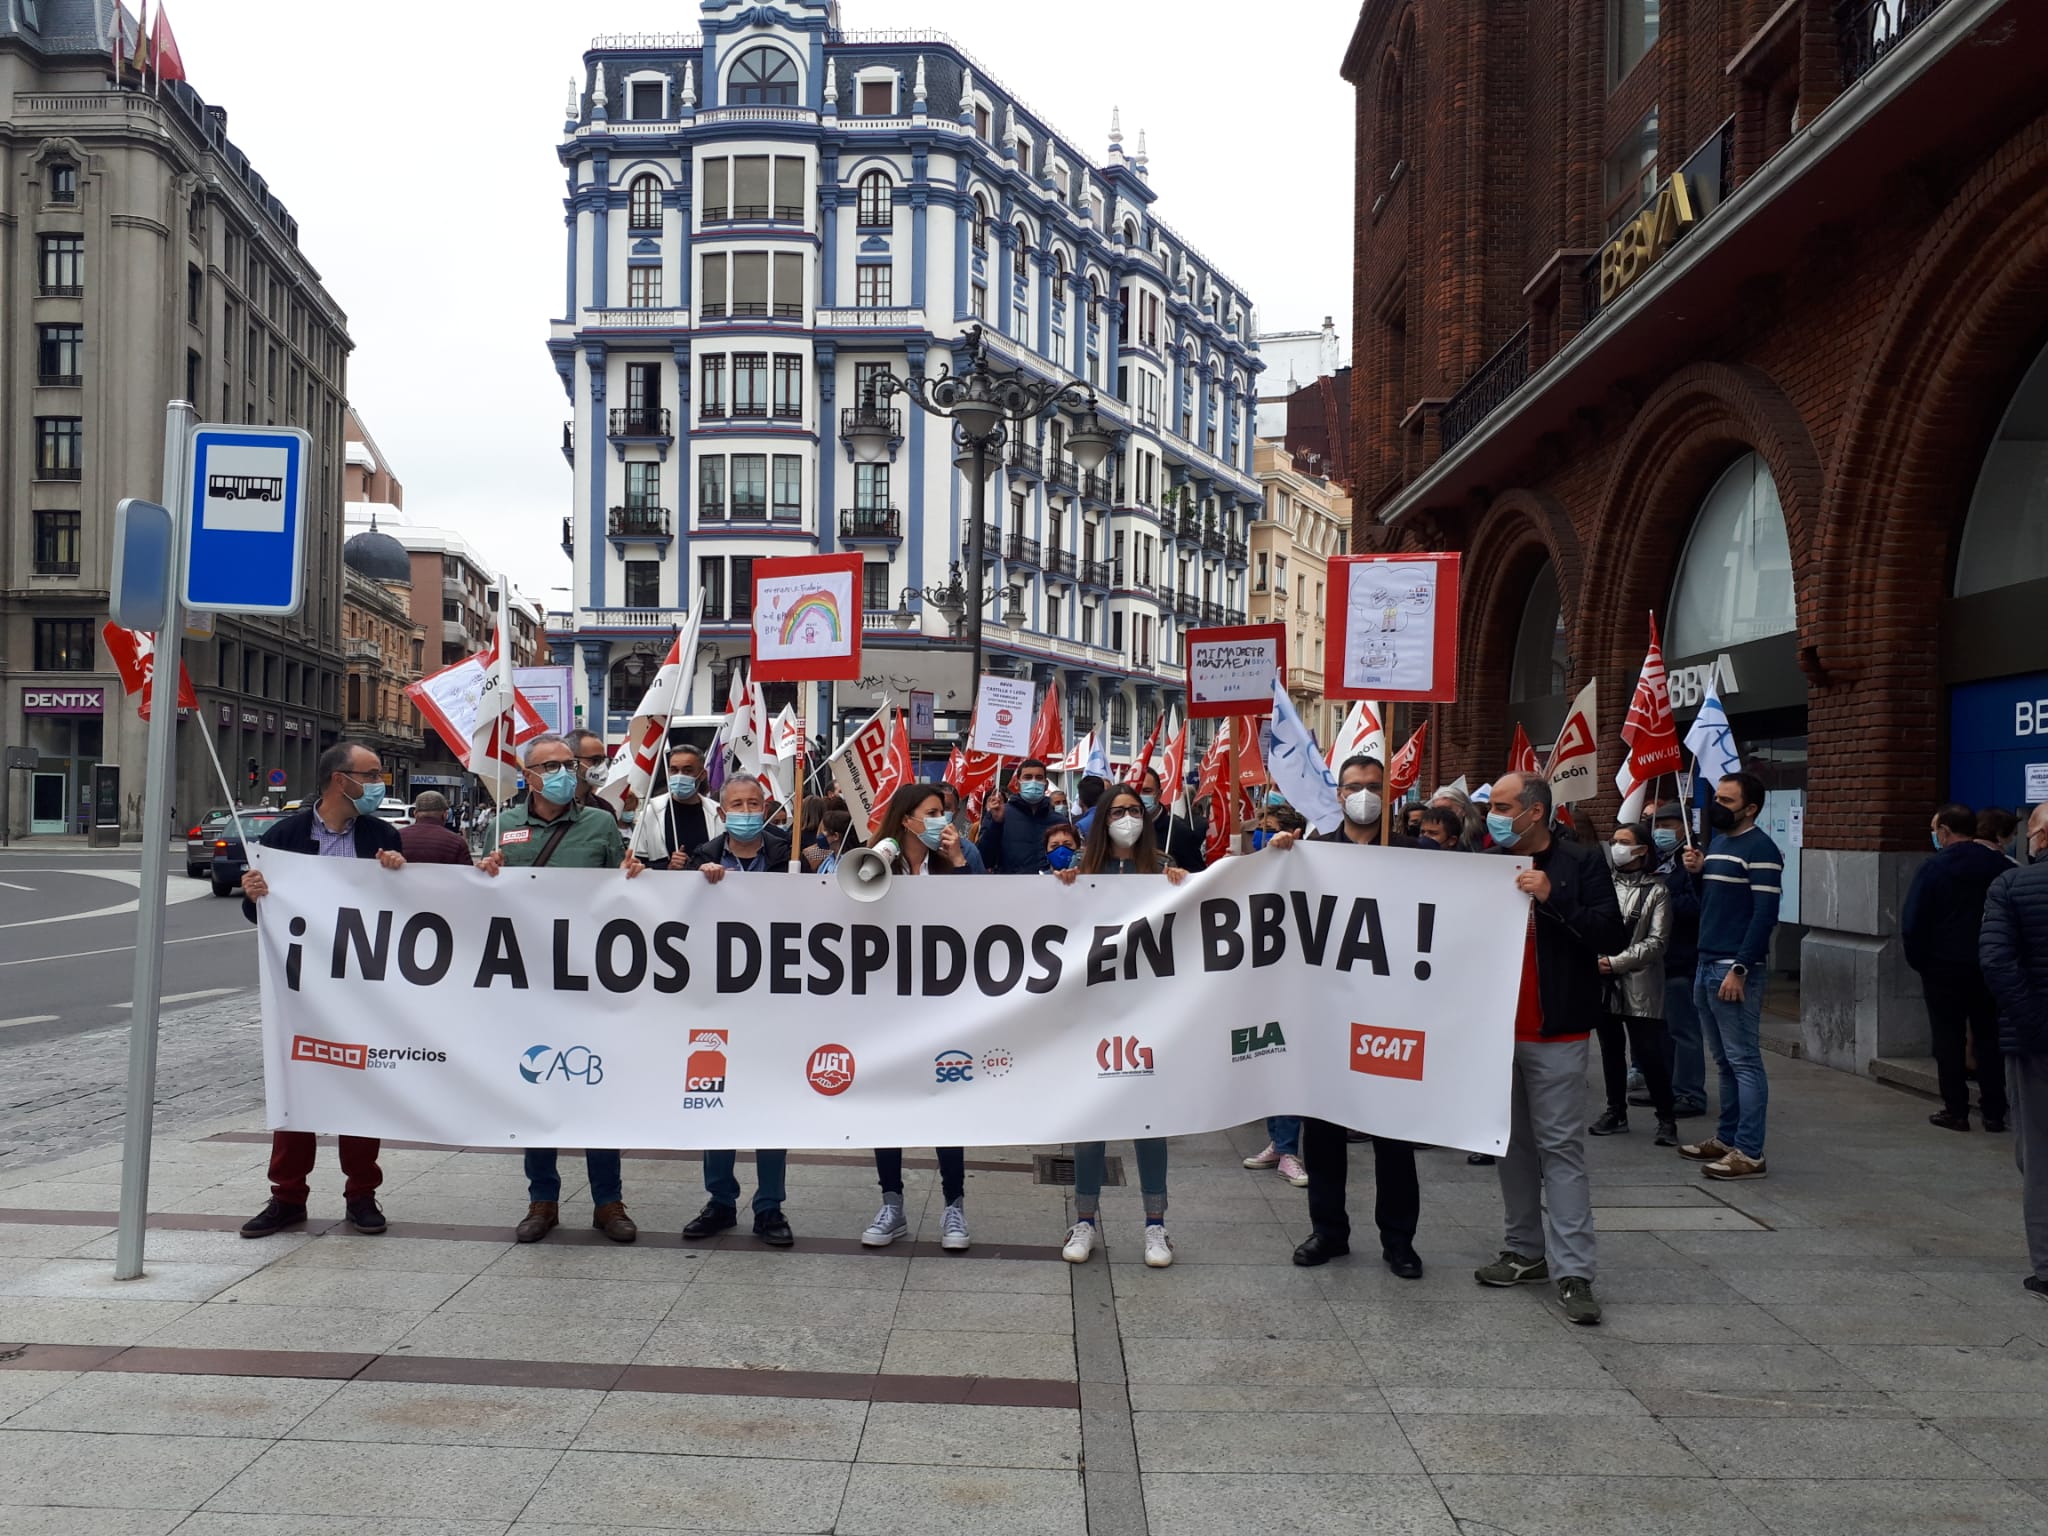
(1058, 1168)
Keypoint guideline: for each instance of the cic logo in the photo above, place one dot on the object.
(572, 1063)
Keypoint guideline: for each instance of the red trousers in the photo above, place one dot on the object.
(291, 1159)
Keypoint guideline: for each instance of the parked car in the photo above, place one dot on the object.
(199, 843)
(397, 812)
(230, 860)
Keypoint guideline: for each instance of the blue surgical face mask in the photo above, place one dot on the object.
(1031, 791)
(1936, 837)
(934, 828)
(1665, 839)
(1275, 799)
(372, 796)
(683, 786)
(1151, 802)
(559, 783)
(1261, 837)
(1060, 856)
(745, 826)
(1501, 828)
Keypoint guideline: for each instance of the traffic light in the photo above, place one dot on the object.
(255, 773)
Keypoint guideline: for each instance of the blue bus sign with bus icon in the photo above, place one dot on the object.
(245, 527)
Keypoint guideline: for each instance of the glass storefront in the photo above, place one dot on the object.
(60, 789)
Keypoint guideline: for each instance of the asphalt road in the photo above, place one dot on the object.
(67, 942)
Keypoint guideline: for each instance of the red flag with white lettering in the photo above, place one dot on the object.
(1048, 735)
(1171, 771)
(1406, 767)
(134, 655)
(1144, 759)
(1648, 731)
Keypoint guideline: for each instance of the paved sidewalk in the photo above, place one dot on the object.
(1842, 1348)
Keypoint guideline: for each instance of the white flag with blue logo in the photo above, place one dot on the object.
(1296, 766)
(1097, 763)
(1711, 741)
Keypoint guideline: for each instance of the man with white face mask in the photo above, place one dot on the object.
(1398, 1207)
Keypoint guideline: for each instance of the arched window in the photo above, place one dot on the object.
(1130, 231)
(980, 222)
(877, 201)
(1391, 126)
(1735, 577)
(1021, 257)
(763, 77)
(1084, 710)
(2005, 538)
(646, 202)
(1542, 662)
(1059, 277)
(1119, 715)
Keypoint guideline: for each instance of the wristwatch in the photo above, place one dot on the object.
(1737, 968)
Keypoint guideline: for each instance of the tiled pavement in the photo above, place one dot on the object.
(1842, 1348)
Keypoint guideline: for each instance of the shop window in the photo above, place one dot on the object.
(2005, 537)
(1735, 577)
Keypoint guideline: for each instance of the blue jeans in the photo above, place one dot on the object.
(771, 1172)
(1734, 1033)
(1688, 1062)
(1284, 1131)
(543, 1182)
(1090, 1165)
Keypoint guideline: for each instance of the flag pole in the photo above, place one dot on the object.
(505, 682)
(796, 811)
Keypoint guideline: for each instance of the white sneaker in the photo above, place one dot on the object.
(887, 1226)
(1265, 1159)
(954, 1237)
(1158, 1246)
(1081, 1241)
(1292, 1171)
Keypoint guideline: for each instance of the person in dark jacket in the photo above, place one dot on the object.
(428, 840)
(1938, 927)
(1179, 837)
(341, 824)
(2012, 948)
(748, 845)
(1681, 961)
(1397, 1209)
(1574, 919)
(1013, 833)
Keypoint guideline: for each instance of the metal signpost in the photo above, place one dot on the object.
(236, 498)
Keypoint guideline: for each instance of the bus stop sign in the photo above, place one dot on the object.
(245, 504)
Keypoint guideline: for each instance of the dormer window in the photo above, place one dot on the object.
(645, 103)
(63, 182)
(981, 121)
(763, 77)
(877, 98)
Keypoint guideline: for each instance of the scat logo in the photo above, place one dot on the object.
(831, 1070)
(1384, 1052)
(953, 1067)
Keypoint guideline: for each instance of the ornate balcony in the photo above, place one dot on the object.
(870, 523)
(1064, 475)
(867, 418)
(569, 441)
(1021, 549)
(1060, 562)
(1236, 551)
(1095, 487)
(568, 535)
(1095, 573)
(642, 422)
(1212, 611)
(1025, 459)
(640, 523)
(1488, 389)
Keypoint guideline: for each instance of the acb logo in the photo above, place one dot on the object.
(573, 1063)
(830, 1070)
(704, 1072)
(953, 1067)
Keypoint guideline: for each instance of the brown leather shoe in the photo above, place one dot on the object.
(611, 1219)
(542, 1217)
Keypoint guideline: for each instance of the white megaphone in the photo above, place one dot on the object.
(865, 873)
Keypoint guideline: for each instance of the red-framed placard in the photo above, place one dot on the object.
(1231, 669)
(1393, 622)
(807, 619)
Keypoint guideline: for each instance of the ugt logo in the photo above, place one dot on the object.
(1122, 1056)
(576, 1063)
(1255, 1040)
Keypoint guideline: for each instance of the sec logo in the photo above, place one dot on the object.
(953, 1067)
(831, 1070)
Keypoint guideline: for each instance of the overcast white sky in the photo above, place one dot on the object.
(415, 143)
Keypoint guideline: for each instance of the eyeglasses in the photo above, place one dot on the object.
(592, 761)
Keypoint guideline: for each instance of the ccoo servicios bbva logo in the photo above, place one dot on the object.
(576, 1064)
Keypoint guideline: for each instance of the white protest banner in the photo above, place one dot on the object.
(1002, 716)
(1231, 669)
(572, 1007)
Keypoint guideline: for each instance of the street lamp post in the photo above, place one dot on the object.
(979, 402)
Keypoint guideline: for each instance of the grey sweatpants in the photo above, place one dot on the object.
(1543, 1180)
(2026, 1091)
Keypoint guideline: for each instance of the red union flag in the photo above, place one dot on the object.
(134, 656)
(1521, 754)
(1048, 737)
(1144, 759)
(1406, 767)
(1651, 738)
(1175, 767)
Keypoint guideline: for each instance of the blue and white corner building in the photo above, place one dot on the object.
(764, 216)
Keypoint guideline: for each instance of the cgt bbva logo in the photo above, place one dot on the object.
(1122, 1056)
(704, 1072)
(830, 1070)
(572, 1063)
(952, 1067)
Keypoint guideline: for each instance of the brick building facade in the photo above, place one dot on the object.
(1733, 310)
